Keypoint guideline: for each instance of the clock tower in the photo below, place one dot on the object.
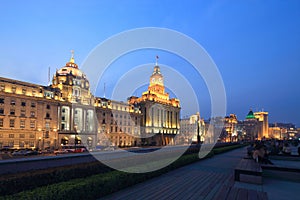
(160, 121)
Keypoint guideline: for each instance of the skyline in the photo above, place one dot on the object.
(255, 45)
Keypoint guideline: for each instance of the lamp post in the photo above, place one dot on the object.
(198, 129)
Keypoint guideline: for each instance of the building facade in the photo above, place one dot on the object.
(118, 123)
(161, 115)
(192, 129)
(63, 113)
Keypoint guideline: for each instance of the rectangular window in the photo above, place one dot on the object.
(12, 112)
(22, 123)
(21, 144)
(1, 100)
(2, 87)
(32, 124)
(23, 103)
(13, 89)
(1, 122)
(13, 102)
(31, 143)
(23, 112)
(31, 135)
(1, 111)
(32, 114)
(11, 135)
(22, 135)
(62, 126)
(11, 123)
(63, 118)
(48, 106)
(1, 135)
(47, 125)
(32, 105)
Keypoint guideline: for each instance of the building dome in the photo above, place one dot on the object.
(72, 82)
(250, 115)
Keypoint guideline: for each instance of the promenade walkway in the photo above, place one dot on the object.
(207, 179)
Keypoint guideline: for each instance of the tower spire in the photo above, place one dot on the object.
(156, 60)
(72, 57)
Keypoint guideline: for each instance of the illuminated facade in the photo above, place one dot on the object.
(77, 121)
(28, 115)
(190, 127)
(263, 124)
(118, 123)
(160, 121)
(65, 112)
(251, 126)
(230, 125)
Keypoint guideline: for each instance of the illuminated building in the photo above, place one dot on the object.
(65, 112)
(160, 120)
(189, 129)
(263, 124)
(230, 125)
(28, 115)
(77, 122)
(118, 123)
(282, 131)
(251, 126)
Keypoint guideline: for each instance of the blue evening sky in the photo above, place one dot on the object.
(255, 44)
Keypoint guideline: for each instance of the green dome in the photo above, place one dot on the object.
(250, 115)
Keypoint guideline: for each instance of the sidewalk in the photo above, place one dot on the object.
(206, 179)
(201, 180)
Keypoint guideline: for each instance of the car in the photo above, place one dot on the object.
(19, 153)
(61, 151)
(31, 153)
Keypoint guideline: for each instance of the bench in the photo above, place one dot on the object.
(248, 171)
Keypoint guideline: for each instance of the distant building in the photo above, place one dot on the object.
(230, 125)
(263, 124)
(283, 131)
(251, 126)
(190, 127)
(160, 122)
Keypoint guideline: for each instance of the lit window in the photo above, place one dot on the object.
(23, 113)
(13, 89)
(32, 114)
(22, 124)
(13, 102)
(32, 124)
(2, 87)
(11, 123)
